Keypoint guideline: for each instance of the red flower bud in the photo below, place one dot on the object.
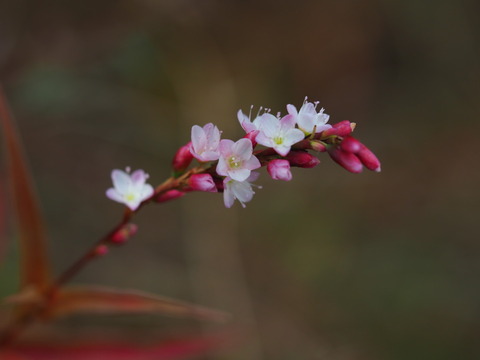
(124, 233)
(182, 158)
(202, 182)
(350, 144)
(169, 195)
(347, 160)
(343, 128)
(317, 146)
(302, 159)
(368, 158)
(101, 250)
(279, 169)
(252, 135)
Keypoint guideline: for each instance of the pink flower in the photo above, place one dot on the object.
(246, 123)
(239, 190)
(128, 189)
(279, 169)
(202, 182)
(278, 134)
(302, 159)
(236, 159)
(307, 119)
(205, 142)
(349, 161)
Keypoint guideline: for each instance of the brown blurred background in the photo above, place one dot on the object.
(329, 266)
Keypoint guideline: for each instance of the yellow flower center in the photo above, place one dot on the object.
(233, 162)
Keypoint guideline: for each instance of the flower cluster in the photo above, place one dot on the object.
(228, 166)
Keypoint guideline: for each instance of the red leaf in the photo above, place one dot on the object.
(34, 262)
(171, 350)
(92, 299)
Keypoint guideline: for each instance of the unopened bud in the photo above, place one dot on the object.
(202, 182)
(317, 146)
(302, 159)
(101, 250)
(350, 144)
(279, 169)
(182, 158)
(347, 160)
(343, 128)
(169, 195)
(124, 233)
(368, 158)
(252, 135)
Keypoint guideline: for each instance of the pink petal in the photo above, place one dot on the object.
(287, 122)
(199, 139)
(252, 163)
(226, 146)
(269, 125)
(138, 178)
(222, 168)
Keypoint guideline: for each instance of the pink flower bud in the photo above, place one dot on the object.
(347, 160)
(317, 146)
(101, 250)
(302, 159)
(202, 182)
(182, 158)
(124, 233)
(368, 158)
(169, 195)
(350, 144)
(252, 135)
(279, 169)
(343, 128)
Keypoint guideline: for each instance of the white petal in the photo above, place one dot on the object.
(199, 139)
(292, 109)
(113, 194)
(239, 174)
(138, 178)
(146, 192)
(243, 191)
(121, 181)
(293, 136)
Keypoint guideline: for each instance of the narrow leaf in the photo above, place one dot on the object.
(34, 263)
(92, 299)
(170, 350)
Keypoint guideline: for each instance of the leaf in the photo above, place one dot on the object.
(34, 264)
(93, 299)
(170, 350)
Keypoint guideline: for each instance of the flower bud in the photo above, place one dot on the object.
(347, 160)
(343, 128)
(350, 144)
(252, 135)
(182, 158)
(368, 158)
(101, 250)
(169, 195)
(124, 233)
(302, 159)
(317, 146)
(279, 169)
(202, 182)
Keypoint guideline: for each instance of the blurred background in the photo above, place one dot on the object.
(329, 266)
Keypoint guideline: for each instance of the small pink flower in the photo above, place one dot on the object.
(237, 159)
(128, 189)
(205, 142)
(278, 134)
(238, 190)
(202, 182)
(246, 123)
(307, 119)
(279, 169)
(182, 158)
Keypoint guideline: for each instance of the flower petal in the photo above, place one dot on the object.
(239, 174)
(242, 149)
(121, 180)
(114, 195)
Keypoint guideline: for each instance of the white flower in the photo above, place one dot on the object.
(247, 124)
(236, 159)
(128, 189)
(308, 119)
(240, 190)
(205, 142)
(278, 134)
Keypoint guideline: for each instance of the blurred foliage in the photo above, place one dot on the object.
(329, 266)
